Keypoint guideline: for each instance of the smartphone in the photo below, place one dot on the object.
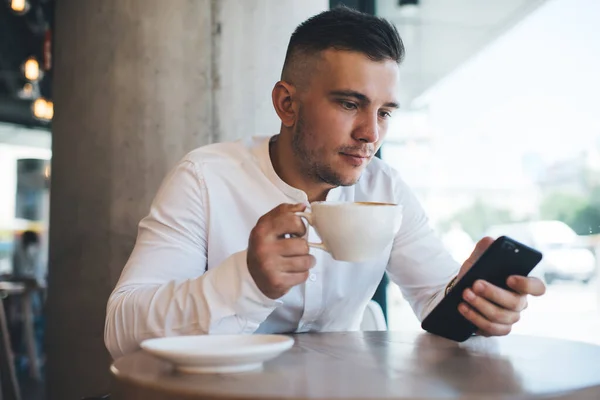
(504, 257)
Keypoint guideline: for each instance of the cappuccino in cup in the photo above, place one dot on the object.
(354, 232)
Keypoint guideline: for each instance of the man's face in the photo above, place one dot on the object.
(343, 115)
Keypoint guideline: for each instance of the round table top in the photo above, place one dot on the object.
(12, 287)
(387, 365)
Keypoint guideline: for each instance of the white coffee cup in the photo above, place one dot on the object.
(354, 232)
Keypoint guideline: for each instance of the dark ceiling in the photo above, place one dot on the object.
(22, 37)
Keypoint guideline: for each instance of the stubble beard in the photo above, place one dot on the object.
(310, 160)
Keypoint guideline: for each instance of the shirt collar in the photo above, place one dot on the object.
(266, 165)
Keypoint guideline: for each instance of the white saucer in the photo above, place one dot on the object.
(218, 353)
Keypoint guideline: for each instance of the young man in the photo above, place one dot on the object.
(222, 250)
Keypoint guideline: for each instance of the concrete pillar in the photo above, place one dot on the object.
(137, 84)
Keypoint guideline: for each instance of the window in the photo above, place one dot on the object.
(499, 134)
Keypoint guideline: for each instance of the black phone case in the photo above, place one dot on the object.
(503, 258)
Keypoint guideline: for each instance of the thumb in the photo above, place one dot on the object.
(480, 248)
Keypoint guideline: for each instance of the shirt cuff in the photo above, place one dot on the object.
(253, 304)
(433, 302)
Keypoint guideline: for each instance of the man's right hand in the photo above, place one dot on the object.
(278, 262)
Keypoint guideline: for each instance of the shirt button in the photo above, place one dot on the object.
(312, 277)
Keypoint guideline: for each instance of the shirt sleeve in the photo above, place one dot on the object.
(165, 288)
(419, 263)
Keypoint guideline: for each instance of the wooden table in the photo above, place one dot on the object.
(384, 365)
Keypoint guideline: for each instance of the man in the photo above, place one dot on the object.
(222, 250)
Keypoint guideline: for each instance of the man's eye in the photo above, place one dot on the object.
(385, 114)
(348, 105)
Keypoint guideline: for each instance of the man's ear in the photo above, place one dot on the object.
(283, 96)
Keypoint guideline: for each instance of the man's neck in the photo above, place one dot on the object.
(287, 167)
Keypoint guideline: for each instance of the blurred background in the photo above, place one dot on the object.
(498, 134)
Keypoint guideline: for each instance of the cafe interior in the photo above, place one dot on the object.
(497, 134)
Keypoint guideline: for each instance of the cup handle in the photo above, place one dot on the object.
(309, 218)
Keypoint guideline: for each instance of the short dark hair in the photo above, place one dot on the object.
(343, 28)
(28, 238)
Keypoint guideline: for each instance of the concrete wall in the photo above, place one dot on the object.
(250, 54)
(137, 84)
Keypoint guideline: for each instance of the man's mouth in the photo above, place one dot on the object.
(357, 155)
(355, 159)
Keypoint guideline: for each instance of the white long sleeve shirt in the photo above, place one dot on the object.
(188, 274)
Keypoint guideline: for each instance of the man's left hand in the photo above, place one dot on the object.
(492, 309)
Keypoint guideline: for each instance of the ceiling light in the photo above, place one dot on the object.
(31, 69)
(19, 6)
(43, 109)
